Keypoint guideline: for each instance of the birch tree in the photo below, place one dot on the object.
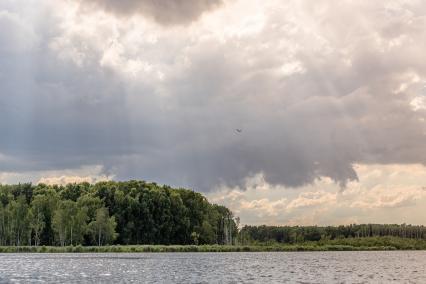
(103, 227)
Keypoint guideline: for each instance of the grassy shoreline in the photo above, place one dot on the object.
(360, 244)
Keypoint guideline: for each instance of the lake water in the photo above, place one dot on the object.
(271, 267)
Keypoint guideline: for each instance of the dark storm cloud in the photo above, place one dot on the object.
(311, 100)
(165, 12)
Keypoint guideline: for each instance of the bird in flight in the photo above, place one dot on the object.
(239, 130)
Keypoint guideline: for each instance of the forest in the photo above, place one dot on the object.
(143, 213)
(301, 234)
(127, 213)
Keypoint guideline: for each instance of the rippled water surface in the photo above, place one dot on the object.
(275, 267)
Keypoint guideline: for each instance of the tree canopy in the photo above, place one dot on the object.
(132, 212)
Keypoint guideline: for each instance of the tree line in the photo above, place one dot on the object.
(138, 212)
(133, 212)
(299, 234)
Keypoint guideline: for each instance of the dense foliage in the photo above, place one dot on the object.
(299, 234)
(134, 212)
(137, 212)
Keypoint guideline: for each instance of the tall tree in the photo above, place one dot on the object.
(37, 218)
(60, 225)
(20, 222)
(103, 227)
(69, 222)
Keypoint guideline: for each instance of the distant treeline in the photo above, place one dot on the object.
(300, 234)
(142, 213)
(133, 212)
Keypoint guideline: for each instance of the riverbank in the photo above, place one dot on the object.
(350, 244)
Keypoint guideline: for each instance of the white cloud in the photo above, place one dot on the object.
(91, 174)
(316, 198)
(62, 180)
(16, 34)
(264, 207)
(384, 193)
(418, 103)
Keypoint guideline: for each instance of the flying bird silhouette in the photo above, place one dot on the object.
(239, 130)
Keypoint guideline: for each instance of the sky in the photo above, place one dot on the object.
(330, 98)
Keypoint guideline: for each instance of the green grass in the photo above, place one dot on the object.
(350, 244)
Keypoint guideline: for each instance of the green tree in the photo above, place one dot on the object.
(46, 200)
(139, 213)
(60, 225)
(5, 225)
(37, 218)
(103, 227)
(70, 222)
(20, 220)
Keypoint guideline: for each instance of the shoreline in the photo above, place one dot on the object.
(192, 248)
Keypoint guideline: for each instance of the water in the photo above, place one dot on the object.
(268, 267)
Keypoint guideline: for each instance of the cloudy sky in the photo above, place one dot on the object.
(330, 97)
